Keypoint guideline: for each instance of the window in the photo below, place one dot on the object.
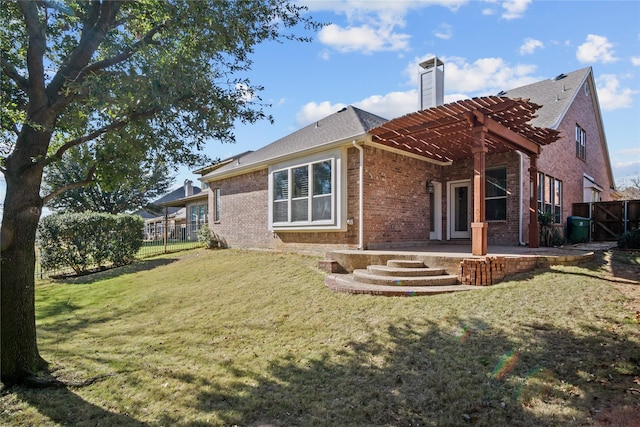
(496, 194)
(540, 192)
(557, 201)
(198, 216)
(581, 142)
(216, 205)
(304, 194)
(550, 197)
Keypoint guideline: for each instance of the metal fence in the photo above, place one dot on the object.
(177, 238)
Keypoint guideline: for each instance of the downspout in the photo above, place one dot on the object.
(360, 197)
(520, 210)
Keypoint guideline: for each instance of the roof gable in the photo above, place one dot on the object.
(554, 95)
(350, 122)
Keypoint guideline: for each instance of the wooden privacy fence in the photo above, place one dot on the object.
(609, 219)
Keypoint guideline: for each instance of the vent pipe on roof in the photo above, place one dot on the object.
(431, 83)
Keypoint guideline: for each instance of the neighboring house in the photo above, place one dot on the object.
(356, 180)
(171, 215)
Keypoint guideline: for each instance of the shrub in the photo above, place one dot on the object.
(549, 233)
(82, 240)
(630, 240)
(207, 237)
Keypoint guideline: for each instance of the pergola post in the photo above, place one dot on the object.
(479, 226)
(534, 229)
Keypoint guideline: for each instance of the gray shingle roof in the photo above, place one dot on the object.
(176, 194)
(554, 95)
(350, 122)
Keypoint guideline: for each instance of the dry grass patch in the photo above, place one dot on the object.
(255, 338)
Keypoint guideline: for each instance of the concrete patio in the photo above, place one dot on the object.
(351, 270)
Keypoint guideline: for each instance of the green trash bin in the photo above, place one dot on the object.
(578, 228)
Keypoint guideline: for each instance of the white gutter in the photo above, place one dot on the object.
(361, 198)
(520, 210)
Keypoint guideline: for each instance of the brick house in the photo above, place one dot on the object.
(356, 180)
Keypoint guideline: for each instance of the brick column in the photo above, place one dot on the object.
(534, 229)
(479, 226)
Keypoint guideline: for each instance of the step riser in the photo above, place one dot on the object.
(345, 284)
(403, 263)
(382, 270)
(444, 280)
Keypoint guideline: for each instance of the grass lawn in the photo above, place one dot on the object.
(255, 338)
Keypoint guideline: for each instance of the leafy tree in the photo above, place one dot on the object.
(134, 190)
(75, 71)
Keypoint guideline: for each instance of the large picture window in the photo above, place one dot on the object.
(496, 194)
(304, 194)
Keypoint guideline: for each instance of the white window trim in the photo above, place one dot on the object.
(506, 193)
(338, 195)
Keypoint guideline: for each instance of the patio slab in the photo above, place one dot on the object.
(449, 256)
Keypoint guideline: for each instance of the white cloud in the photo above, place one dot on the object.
(463, 80)
(484, 76)
(245, 92)
(596, 49)
(611, 95)
(635, 60)
(514, 8)
(391, 105)
(372, 25)
(626, 163)
(530, 45)
(365, 39)
(444, 32)
(313, 111)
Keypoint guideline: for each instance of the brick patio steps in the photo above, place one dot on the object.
(397, 278)
(383, 270)
(400, 279)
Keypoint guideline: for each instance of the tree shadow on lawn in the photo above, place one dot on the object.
(63, 406)
(427, 375)
(609, 265)
(135, 267)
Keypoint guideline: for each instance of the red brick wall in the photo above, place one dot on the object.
(396, 201)
(560, 161)
(244, 216)
(244, 202)
(499, 232)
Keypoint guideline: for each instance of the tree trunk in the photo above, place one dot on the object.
(18, 345)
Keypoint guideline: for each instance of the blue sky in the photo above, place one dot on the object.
(368, 53)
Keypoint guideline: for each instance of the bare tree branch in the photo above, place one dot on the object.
(95, 134)
(144, 41)
(100, 19)
(11, 72)
(77, 184)
(35, 54)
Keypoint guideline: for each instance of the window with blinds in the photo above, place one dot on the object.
(304, 194)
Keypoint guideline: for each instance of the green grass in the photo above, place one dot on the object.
(255, 338)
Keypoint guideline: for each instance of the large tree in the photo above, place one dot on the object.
(98, 190)
(169, 72)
